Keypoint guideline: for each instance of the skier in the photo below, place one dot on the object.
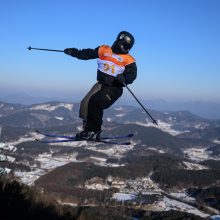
(116, 67)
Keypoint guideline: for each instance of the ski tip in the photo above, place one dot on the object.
(126, 143)
(130, 135)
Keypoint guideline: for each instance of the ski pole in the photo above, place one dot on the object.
(32, 48)
(154, 121)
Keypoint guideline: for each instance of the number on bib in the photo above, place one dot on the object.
(108, 67)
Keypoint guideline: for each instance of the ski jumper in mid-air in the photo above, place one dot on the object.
(116, 67)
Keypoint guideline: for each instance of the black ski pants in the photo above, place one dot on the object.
(100, 97)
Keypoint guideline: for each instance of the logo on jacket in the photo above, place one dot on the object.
(117, 57)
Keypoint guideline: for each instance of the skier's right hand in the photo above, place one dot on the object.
(71, 51)
(120, 78)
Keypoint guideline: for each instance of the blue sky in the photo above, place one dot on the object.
(177, 46)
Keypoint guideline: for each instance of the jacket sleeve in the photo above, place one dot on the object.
(130, 73)
(84, 54)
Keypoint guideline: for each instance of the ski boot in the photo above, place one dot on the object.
(89, 135)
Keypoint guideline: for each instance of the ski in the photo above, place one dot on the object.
(73, 137)
(77, 139)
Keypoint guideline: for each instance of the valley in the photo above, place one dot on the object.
(161, 170)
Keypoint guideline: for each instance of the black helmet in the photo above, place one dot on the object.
(124, 41)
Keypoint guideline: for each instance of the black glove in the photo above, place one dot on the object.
(120, 78)
(71, 51)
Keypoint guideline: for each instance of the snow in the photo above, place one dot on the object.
(32, 137)
(200, 126)
(198, 154)
(67, 203)
(52, 107)
(100, 161)
(6, 158)
(182, 195)
(7, 170)
(96, 186)
(108, 119)
(29, 178)
(166, 127)
(194, 166)
(123, 196)
(157, 150)
(116, 151)
(79, 128)
(216, 141)
(167, 204)
(59, 118)
(47, 163)
(120, 115)
(7, 147)
(119, 109)
(4, 170)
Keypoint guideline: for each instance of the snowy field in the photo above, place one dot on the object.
(199, 154)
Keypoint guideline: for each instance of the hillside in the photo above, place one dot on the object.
(156, 175)
(21, 202)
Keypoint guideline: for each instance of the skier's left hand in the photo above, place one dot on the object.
(120, 78)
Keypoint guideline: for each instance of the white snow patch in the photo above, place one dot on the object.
(4, 170)
(120, 115)
(201, 125)
(29, 178)
(7, 147)
(182, 195)
(47, 163)
(123, 196)
(167, 204)
(67, 203)
(197, 154)
(166, 127)
(6, 158)
(118, 108)
(216, 141)
(194, 166)
(52, 107)
(108, 119)
(7, 170)
(116, 151)
(96, 186)
(32, 137)
(157, 150)
(100, 161)
(59, 118)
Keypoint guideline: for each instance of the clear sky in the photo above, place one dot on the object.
(177, 47)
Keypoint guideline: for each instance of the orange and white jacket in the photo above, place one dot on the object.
(109, 64)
